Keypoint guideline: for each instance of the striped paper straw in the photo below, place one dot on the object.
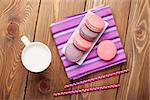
(86, 90)
(97, 78)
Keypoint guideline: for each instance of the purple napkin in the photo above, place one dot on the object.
(63, 29)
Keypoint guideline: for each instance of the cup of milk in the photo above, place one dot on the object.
(36, 56)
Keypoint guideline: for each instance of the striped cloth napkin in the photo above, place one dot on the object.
(63, 29)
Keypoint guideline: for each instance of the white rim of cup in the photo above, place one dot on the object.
(27, 43)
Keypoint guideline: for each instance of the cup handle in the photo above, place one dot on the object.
(25, 40)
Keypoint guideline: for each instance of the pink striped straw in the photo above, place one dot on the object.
(86, 90)
(97, 78)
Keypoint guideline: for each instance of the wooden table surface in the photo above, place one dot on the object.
(33, 17)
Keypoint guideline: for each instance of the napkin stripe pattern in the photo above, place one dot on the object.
(62, 31)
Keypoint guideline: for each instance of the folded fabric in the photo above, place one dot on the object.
(62, 31)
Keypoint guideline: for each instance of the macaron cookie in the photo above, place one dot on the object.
(87, 34)
(72, 53)
(94, 22)
(81, 43)
(106, 50)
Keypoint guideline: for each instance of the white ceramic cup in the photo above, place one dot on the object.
(36, 56)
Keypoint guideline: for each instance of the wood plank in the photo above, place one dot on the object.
(41, 86)
(16, 18)
(120, 11)
(136, 84)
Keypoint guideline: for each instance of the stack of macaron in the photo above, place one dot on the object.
(85, 37)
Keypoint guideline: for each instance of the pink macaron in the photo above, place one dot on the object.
(94, 22)
(106, 50)
(81, 43)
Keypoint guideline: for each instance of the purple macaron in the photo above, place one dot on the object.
(87, 34)
(72, 53)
